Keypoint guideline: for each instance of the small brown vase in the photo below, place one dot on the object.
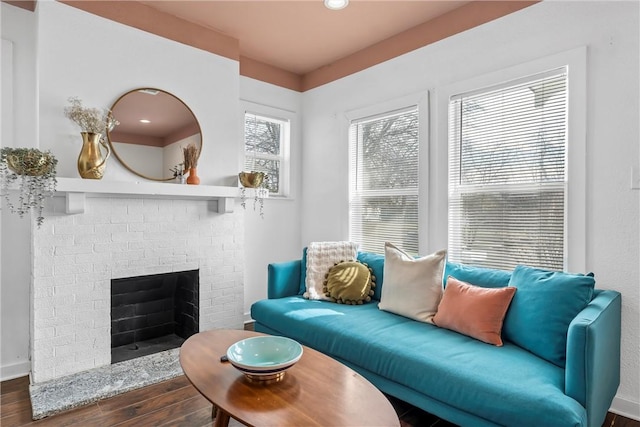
(193, 179)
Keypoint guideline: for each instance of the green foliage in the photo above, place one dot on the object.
(259, 185)
(34, 173)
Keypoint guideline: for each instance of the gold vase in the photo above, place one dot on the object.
(91, 161)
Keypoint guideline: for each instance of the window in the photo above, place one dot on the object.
(266, 141)
(383, 175)
(507, 173)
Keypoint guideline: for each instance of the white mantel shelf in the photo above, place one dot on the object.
(75, 190)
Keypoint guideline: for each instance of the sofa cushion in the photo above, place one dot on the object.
(303, 273)
(479, 276)
(495, 383)
(349, 282)
(320, 257)
(542, 309)
(474, 311)
(413, 286)
(376, 263)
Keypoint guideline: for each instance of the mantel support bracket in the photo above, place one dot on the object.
(225, 205)
(75, 203)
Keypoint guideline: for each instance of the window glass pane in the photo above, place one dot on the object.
(262, 135)
(270, 167)
(515, 134)
(507, 186)
(265, 145)
(384, 181)
(504, 229)
(390, 152)
(385, 219)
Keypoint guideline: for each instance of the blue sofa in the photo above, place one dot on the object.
(455, 377)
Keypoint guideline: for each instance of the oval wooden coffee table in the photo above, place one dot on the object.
(316, 391)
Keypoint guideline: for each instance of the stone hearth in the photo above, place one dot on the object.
(72, 391)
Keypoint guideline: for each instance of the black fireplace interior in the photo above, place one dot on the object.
(150, 314)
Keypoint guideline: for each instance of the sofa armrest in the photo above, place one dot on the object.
(592, 373)
(283, 279)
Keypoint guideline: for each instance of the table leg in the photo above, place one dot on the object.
(214, 410)
(222, 419)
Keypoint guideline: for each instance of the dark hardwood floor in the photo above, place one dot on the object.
(170, 403)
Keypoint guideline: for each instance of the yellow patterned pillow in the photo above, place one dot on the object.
(349, 282)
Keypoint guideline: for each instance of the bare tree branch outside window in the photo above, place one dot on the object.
(263, 148)
(384, 202)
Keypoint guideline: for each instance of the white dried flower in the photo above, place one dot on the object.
(93, 120)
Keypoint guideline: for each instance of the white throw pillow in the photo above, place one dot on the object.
(321, 256)
(412, 287)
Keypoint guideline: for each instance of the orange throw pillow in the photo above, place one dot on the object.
(474, 311)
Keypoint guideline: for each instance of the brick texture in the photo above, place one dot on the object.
(74, 258)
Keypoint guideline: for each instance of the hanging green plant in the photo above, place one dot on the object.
(34, 172)
(258, 182)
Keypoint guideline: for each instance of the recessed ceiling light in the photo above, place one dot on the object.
(145, 121)
(336, 4)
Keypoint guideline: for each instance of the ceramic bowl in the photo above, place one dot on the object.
(264, 358)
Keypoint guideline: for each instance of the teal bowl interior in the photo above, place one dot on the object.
(268, 352)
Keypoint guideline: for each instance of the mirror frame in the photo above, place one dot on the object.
(115, 152)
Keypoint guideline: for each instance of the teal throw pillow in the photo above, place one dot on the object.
(376, 263)
(479, 276)
(542, 309)
(303, 273)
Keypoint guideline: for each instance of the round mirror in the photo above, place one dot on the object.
(154, 128)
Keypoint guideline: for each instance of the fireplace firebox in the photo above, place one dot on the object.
(154, 313)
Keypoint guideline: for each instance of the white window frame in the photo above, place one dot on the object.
(288, 118)
(421, 100)
(575, 196)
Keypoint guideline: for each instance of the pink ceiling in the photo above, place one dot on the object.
(25, 4)
(299, 44)
(302, 36)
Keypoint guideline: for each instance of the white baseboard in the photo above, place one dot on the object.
(15, 370)
(626, 408)
(247, 318)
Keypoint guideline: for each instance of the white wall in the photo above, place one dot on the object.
(98, 60)
(18, 27)
(61, 51)
(610, 30)
(129, 58)
(277, 236)
(153, 164)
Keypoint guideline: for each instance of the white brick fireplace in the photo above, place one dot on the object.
(75, 256)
